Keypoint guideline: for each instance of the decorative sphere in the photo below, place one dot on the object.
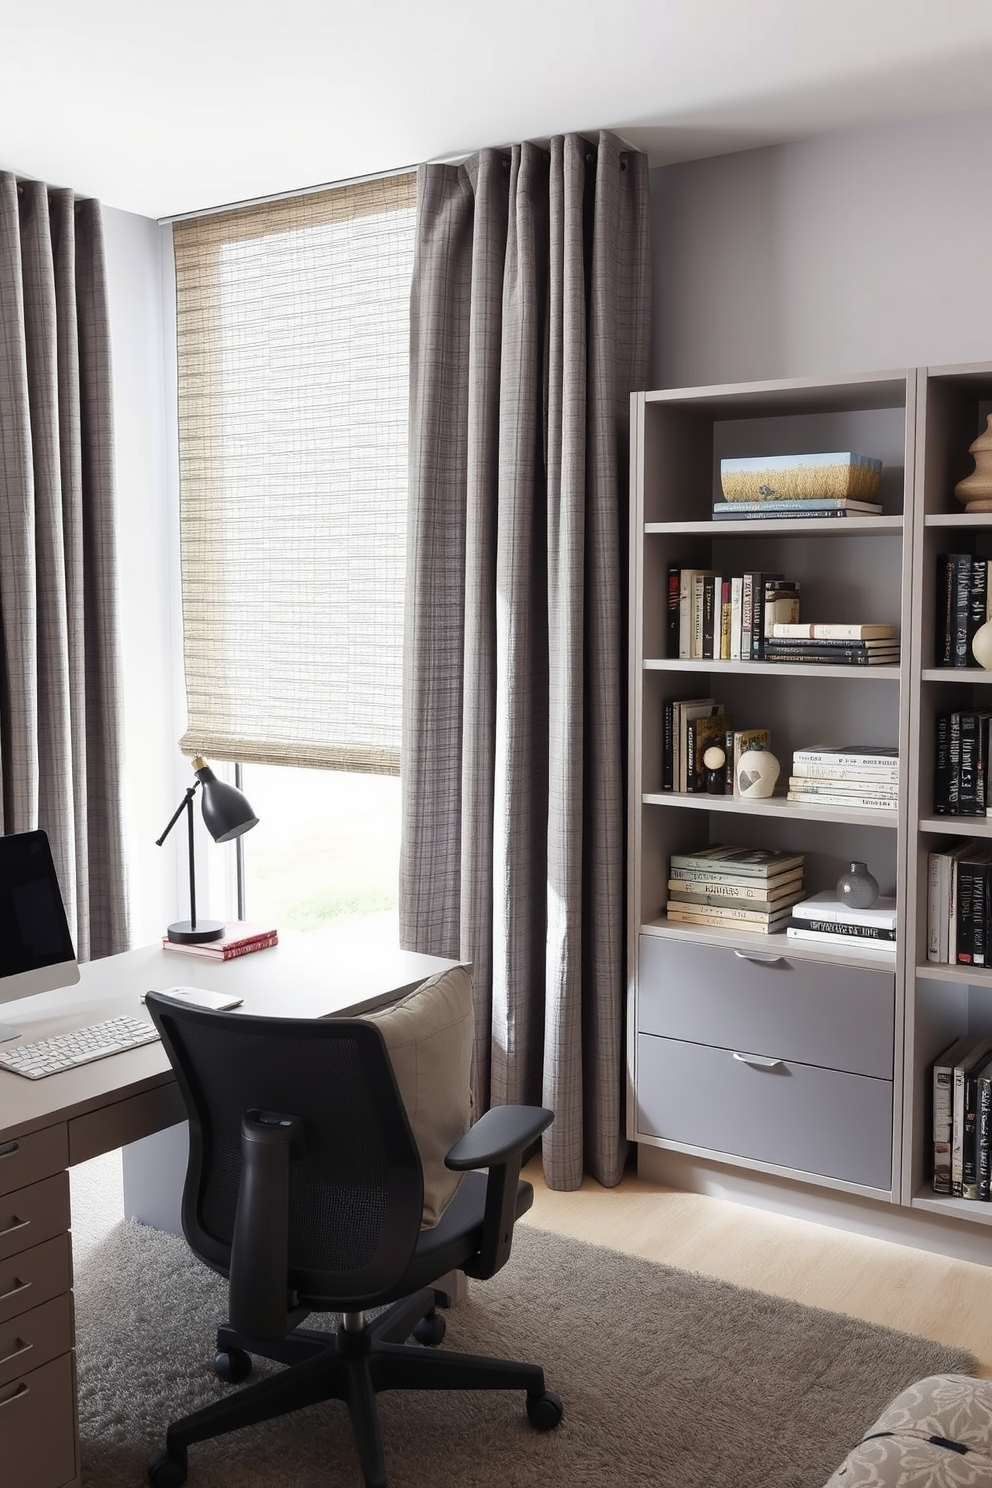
(981, 645)
(715, 757)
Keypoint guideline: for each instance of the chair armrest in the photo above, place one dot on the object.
(497, 1135)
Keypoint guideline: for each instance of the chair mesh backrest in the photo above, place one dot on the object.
(356, 1193)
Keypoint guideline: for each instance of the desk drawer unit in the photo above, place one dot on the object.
(37, 1432)
(782, 1062)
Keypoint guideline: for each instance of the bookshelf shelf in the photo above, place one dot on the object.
(961, 976)
(773, 806)
(958, 826)
(780, 669)
(791, 526)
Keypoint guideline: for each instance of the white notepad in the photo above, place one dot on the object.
(200, 997)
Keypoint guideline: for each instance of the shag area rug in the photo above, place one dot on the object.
(669, 1379)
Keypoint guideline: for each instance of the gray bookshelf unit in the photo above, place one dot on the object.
(747, 1049)
(804, 1067)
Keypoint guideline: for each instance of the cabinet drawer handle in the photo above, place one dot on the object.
(9, 1149)
(19, 1286)
(760, 1061)
(20, 1347)
(771, 960)
(19, 1393)
(15, 1224)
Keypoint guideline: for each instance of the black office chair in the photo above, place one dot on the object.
(305, 1189)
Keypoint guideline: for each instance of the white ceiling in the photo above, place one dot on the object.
(189, 104)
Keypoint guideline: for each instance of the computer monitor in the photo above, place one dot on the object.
(36, 950)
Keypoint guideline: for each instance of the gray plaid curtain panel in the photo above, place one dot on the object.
(60, 765)
(530, 322)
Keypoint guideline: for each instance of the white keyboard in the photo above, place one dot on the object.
(80, 1046)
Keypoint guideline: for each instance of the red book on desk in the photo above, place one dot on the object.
(238, 939)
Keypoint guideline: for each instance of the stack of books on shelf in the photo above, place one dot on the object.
(961, 607)
(721, 617)
(865, 776)
(959, 900)
(838, 484)
(826, 920)
(962, 1119)
(735, 888)
(834, 642)
(961, 763)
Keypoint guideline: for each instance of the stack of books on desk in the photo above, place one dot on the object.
(861, 775)
(836, 644)
(825, 919)
(736, 888)
(238, 939)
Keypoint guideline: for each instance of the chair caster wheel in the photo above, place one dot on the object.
(544, 1412)
(166, 1471)
(232, 1365)
(430, 1330)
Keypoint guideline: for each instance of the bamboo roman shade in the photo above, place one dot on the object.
(293, 348)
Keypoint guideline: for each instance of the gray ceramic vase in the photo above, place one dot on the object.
(857, 888)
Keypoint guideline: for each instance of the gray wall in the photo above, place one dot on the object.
(852, 252)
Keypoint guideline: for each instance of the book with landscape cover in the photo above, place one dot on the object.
(847, 754)
(739, 743)
(685, 713)
(239, 939)
(749, 862)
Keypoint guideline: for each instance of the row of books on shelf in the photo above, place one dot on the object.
(755, 617)
(959, 909)
(961, 608)
(962, 1120)
(761, 891)
(961, 763)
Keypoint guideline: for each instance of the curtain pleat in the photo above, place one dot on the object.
(60, 765)
(529, 331)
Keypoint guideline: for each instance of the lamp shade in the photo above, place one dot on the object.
(226, 811)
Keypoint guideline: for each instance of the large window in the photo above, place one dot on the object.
(293, 336)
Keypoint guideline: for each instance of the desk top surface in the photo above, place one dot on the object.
(324, 973)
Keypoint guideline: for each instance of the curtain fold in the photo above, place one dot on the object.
(530, 317)
(60, 721)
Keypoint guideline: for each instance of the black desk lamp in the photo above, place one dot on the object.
(227, 814)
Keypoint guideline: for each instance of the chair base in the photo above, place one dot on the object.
(352, 1366)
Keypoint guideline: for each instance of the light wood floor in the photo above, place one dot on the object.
(895, 1285)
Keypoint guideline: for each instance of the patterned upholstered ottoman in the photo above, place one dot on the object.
(936, 1434)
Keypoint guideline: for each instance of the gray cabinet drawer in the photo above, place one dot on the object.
(39, 1154)
(28, 1279)
(821, 1121)
(37, 1427)
(28, 1341)
(33, 1214)
(840, 1017)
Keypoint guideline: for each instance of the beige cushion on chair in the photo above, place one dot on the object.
(429, 1035)
(936, 1434)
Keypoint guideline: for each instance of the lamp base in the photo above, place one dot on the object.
(184, 933)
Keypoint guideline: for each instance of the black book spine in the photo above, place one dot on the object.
(962, 607)
(690, 755)
(967, 797)
(978, 598)
(969, 1146)
(728, 767)
(943, 610)
(954, 764)
(982, 765)
(668, 746)
(942, 765)
(709, 609)
(672, 630)
(843, 927)
(965, 911)
(984, 1124)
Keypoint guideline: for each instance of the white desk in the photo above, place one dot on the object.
(46, 1126)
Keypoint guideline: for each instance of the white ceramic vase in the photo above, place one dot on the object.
(981, 645)
(757, 772)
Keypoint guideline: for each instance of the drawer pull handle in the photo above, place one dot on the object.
(15, 1224)
(9, 1149)
(19, 1393)
(20, 1347)
(772, 960)
(19, 1286)
(760, 1061)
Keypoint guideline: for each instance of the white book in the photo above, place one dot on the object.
(832, 631)
(853, 942)
(846, 754)
(816, 770)
(832, 798)
(826, 906)
(933, 907)
(843, 786)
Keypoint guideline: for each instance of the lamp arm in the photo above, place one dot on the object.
(184, 805)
